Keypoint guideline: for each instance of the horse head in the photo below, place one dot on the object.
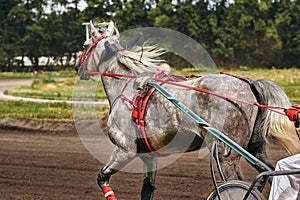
(96, 49)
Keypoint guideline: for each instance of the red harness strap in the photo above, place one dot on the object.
(87, 53)
(139, 108)
(138, 113)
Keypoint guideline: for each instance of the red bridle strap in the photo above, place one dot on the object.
(84, 55)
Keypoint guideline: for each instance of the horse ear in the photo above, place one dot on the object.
(117, 32)
(94, 32)
(111, 27)
(88, 43)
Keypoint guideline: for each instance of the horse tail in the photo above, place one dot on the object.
(270, 125)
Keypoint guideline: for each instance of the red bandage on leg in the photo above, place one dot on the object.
(108, 193)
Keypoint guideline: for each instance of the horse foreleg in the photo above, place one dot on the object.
(148, 187)
(117, 161)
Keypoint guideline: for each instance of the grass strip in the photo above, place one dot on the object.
(49, 88)
(46, 74)
(21, 109)
(46, 111)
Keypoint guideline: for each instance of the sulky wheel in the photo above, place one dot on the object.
(235, 190)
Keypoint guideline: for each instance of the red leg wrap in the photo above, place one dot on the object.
(108, 193)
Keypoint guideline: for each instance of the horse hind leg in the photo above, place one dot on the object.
(257, 147)
(148, 187)
(229, 162)
(117, 161)
(230, 167)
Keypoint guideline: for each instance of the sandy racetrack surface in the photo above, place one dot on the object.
(55, 165)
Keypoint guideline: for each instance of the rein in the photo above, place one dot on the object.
(139, 105)
(84, 56)
(271, 108)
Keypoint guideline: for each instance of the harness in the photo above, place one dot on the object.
(140, 107)
(142, 98)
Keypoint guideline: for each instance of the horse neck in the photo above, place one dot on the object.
(113, 86)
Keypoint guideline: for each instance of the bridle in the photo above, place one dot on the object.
(85, 54)
(84, 73)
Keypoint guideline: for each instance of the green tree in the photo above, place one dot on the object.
(161, 14)
(219, 41)
(133, 14)
(287, 23)
(98, 10)
(261, 33)
(8, 33)
(73, 33)
(17, 19)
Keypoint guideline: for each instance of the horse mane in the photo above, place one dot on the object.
(143, 59)
(140, 59)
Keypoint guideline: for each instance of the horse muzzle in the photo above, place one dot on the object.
(80, 72)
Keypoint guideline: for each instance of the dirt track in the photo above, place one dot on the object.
(36, 165)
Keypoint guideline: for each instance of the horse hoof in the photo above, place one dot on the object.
(147, 190)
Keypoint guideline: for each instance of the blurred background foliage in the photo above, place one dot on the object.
(252, 33)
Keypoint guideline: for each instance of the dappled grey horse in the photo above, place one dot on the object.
(163, 122)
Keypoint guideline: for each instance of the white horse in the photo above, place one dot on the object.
(247, 125)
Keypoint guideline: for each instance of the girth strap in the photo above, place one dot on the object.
(138, 112)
